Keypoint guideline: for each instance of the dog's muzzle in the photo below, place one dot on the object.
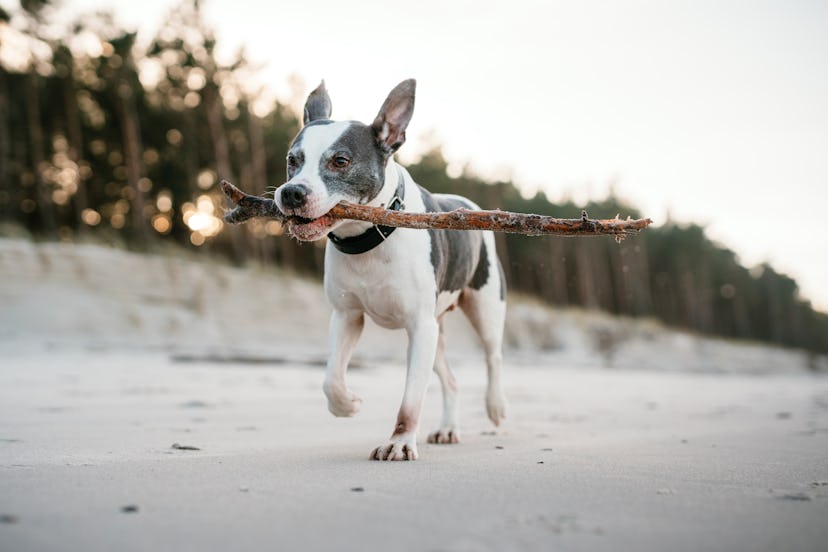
(294, 196)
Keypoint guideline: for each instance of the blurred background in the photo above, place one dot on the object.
(116, 123)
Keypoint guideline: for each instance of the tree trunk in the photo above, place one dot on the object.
(212, 104)
(5, 149)
(557, 272)
(638, 278)
(215, 122)
(74, 135)
(131, 136)
(44, 197)
(258, 157)
(586, 278)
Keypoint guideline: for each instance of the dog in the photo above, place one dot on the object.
(402, 278)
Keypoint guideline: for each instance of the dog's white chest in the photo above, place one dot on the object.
(392, 283)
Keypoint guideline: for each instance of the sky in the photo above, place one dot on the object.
(712, 112)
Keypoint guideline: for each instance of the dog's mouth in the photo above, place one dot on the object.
(306, 229)
(300, 220)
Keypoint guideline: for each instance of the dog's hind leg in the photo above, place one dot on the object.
(448, 432)
(486, 310)
(345, 329)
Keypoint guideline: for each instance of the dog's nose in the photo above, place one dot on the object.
(294, 195)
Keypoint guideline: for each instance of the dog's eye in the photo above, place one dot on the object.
(291, 160)
(340, 161)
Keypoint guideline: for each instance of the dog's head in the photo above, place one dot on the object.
(329, 161)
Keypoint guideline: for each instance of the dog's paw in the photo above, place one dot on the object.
(345, 406)
(495, 407)
(444, 436)
(403, 447)
(342, 402)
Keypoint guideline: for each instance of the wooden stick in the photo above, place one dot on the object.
(248, 206)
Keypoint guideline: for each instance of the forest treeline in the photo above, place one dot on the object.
(124, 142)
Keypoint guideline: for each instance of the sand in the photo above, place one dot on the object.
(679, 443)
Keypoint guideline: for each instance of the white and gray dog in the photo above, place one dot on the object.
(401, 278)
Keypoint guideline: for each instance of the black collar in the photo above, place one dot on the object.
(375, 235)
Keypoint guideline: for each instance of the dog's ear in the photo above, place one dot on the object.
(394, 115)
(318, 104)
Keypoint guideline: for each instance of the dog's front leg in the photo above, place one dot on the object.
(345, 329)
(422, 346)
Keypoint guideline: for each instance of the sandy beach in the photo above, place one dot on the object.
(148, 404)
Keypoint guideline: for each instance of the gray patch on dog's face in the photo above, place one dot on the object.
(365, 176)
(362, 179)
(455, 254)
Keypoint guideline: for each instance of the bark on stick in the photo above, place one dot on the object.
(248, 206)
